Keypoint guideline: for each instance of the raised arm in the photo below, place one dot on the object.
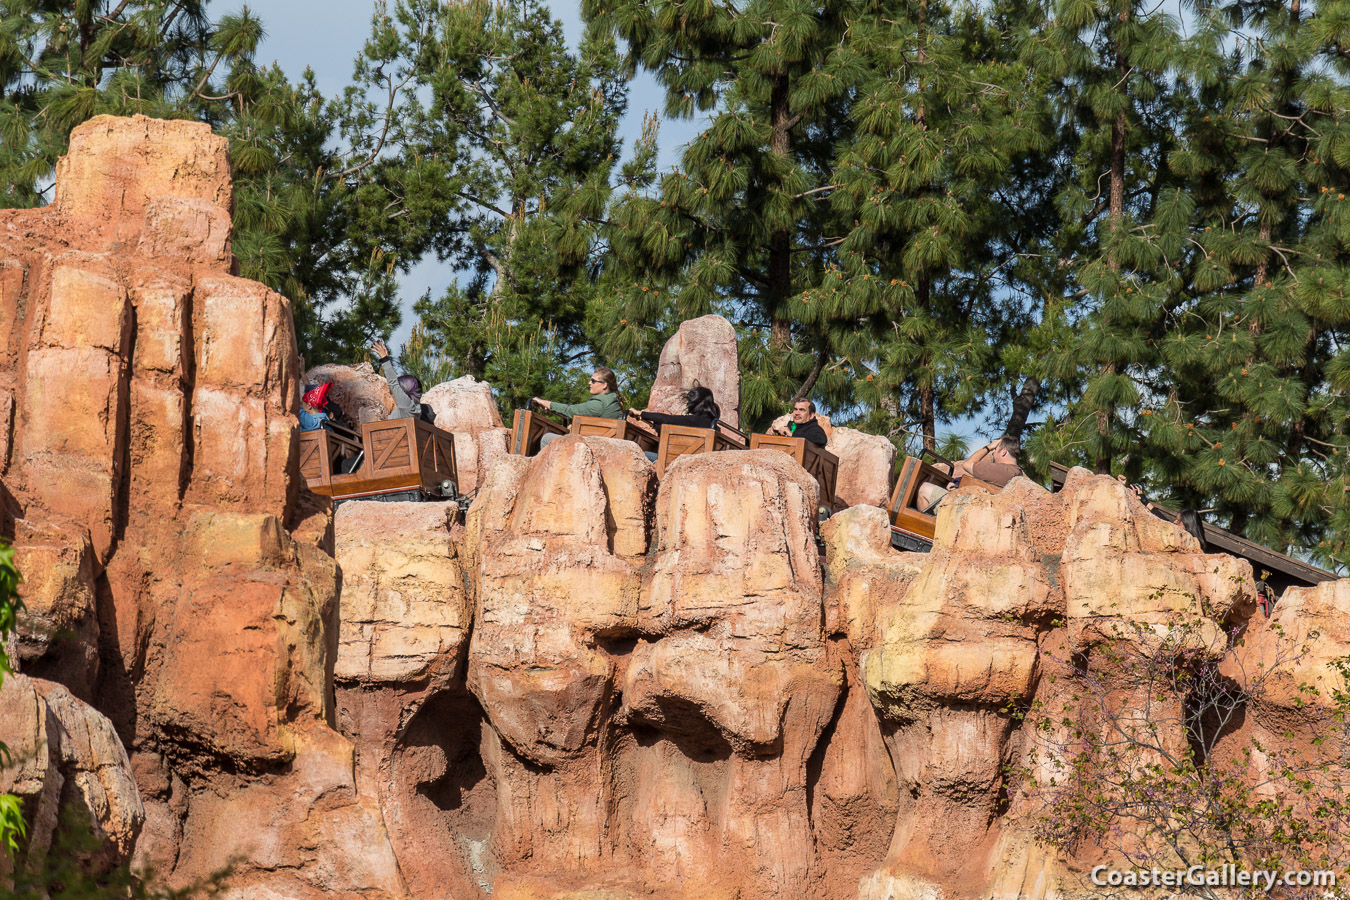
(403, 404)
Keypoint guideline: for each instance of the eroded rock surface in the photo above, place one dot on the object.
(596, 685)
(64, 758)
(151, 400)
(865, 465)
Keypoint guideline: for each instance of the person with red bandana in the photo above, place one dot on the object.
(312, 415)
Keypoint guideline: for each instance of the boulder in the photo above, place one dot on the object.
(1126, 570)
(58, 627)
(866, 462)
(465, 408)
(64, 756)
(703, 351)
(116, 170)
(463, 404)
(360, 392)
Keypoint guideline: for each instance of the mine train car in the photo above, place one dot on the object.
(674, 441)
(912, 528)
(398, 458)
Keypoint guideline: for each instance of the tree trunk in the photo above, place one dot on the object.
(923, 288)
(891, 404)
(804, 391)
(1116, 220)
(1023, 403)
(928, 416)
(475, 360)
(780, 241)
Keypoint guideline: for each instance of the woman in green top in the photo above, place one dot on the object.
(604, 401)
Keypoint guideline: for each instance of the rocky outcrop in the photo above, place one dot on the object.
(465, 407)
(596, 685)
(151, 399)
(63, 759)
(696, 675)
(703, 351)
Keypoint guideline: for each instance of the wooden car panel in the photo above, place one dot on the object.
(820, 463)
(529, 429)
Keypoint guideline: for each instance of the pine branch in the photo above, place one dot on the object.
(483, 203)
(483, 92)
(828, 187)
(384, 131)
(810, 382)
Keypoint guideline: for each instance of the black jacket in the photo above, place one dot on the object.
(811, 431)
(659, 419)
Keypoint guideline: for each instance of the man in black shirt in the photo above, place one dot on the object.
(804, 424)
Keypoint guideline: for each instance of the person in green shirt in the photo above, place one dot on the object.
(604, 401)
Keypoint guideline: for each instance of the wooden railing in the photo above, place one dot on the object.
(685, 440)
(622, 429)
(529, 429)
(322, 452)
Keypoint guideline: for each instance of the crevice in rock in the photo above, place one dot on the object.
(115, 690)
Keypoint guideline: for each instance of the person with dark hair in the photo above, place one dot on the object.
(701, 411)
(407, 389)
(1189, 519)
(604, 402)
(803, 424)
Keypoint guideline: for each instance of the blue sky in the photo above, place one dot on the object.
(328, 43)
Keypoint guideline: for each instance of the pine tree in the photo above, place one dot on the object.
(1111, 66)
(743, 227)
(1253, 423)
(516, 139)
(944, 118)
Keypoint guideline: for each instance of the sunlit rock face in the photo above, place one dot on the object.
(596, 684)
(148, 400)
(865, 465)
(465, 407)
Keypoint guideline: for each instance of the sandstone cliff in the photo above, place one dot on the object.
(598, 685)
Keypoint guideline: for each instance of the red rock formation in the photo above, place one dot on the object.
(597, 686)
(150, 397)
